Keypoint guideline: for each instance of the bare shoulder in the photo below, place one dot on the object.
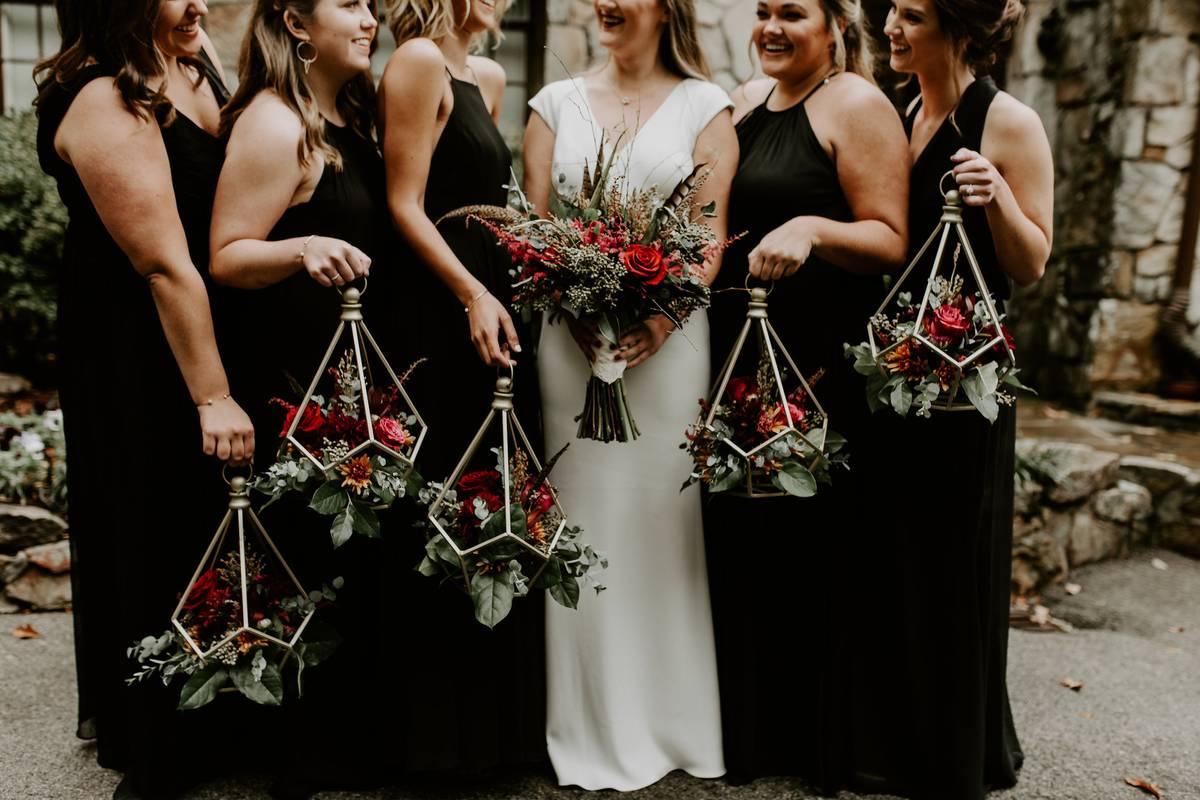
(749, 95)
(414, 60)
(100, 110)
(490, 74)
(266, 124)
(858, 99)
(1008, 117)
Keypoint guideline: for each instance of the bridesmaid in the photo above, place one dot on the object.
(958, 737)
(127, 126)
(438, 107)
(300, 212)
(821, 189)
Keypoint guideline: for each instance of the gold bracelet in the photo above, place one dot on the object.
(304, 247)
(467, 308)
(210, 401)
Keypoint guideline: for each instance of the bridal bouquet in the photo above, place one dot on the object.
(611, 259)
(513, 542)
(352, 489)
(757, 438)
(954, 349)
(212, 617)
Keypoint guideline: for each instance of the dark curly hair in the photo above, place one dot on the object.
(982, 28)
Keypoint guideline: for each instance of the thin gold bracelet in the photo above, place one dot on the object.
(467, 308)
(304, 247)
(211, 401)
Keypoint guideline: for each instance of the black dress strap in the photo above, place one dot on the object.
(214, 77)
(971, 112)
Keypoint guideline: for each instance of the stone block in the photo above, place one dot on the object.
(712, 41)
(738, 23)
(54, 558)
(1037, 560)
(1172, 126)
(1192, 78)
(1157, 79)
(1170, 228)
(1127, 502)
(568, 45)
(1179, 156)
(1081, 39)
(1133, 17)
(1144, 190)
(1123, 272)
(1155, 265)
(1128, 133)
(11, 567)
(1123, 341)
(40, 590)
(1158, 476)
(1179, 17)
(1026, 58)
(1070, 471)
(1095, 539)
(1072, 90)
(27, 526)
(1026, 496)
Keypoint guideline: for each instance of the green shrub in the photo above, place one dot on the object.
(32, 224)
(33, 460)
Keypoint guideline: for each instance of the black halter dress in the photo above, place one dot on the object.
(782, 569)
(144, 499)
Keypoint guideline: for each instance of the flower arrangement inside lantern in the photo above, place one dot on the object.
(764, 434)
(241, 620)
(496, 525)
(938, 342)
(350, 444)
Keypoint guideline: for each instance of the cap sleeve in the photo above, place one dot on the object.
(706, 101)
(547, 103)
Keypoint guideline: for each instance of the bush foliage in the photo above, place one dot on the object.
(32, 224)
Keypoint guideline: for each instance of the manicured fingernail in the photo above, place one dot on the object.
(516, 348)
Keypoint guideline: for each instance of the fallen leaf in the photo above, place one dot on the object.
(1158, 563)
(1086, 714)
(26, 631)
(1146, 786)
(1073, 588)
(1175, 629)
(1040, 615)
(1071, 684)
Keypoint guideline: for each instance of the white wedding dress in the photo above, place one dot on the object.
(631, 674)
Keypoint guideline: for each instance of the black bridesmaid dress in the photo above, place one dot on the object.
(949, 584)
(784, 571)
(284, 330)
(474, 697)
(144, 499)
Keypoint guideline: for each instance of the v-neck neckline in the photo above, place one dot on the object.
(940, 128)
(587, 99)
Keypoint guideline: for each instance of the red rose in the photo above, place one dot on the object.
(644, 262)
(204, 586)
(998, 348)
(739, 389)
(484, 480)
(948, 324)
(347, 429)
(392, 434)
(312, 421)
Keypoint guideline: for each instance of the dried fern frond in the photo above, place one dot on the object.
(684, 189)
(498, 214)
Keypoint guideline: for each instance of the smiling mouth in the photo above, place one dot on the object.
(489, 4)
(899, 49)
(191, 27)
(609, 21)
(776, 47)
(363, 41)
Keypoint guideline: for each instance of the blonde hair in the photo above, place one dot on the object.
(679, 48)
(268, 61)
(432, 19)
(852, 50)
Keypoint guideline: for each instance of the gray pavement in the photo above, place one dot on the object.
(1138, 713)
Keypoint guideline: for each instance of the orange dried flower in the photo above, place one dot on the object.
(356, 473)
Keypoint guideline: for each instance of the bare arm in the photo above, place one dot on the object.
(261, 178)
(871, 154)
(492, 81)
(122, 163)
(1015, 187)
(411, 95)
(717, 146)
(539, 160)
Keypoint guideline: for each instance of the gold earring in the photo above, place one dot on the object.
(307, 62)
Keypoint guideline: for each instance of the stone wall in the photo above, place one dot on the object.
(1116, 82)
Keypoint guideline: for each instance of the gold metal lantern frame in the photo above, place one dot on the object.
(758, 484)
(503, 418)
(951, 224)
(362, 343)
(241, 521)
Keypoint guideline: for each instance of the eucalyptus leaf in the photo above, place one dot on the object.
(796, 480)
(985, 402)
(566, 592)
(730, 480)
(343, 526)
(329, 498)
(267, 692)
(203, 686)
(493, 595)
(366, 521)
(494, 525)
(901, 398)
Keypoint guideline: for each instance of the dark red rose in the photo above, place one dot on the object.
(644, 262)
(740, 388)
(948, 324)
(990, 332)
(392, 434)
(312, 421)
(201, 590)
(484, 480)
(348, 429)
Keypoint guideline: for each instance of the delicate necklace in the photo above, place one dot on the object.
(625, 99)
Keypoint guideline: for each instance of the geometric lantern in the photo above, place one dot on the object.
(256, 607)
(954, 328)
(370, 415)
(780, 445)
(504, 509)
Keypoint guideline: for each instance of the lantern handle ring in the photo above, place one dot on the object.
(512, 373)
(351, 285)
(249, 467)
(749, 277)
(946, 192)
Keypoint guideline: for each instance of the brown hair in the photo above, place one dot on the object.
(982, 28)
(268, 61)
(679, 48)
(430, 19)
(117, 35)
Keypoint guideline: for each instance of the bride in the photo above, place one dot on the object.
(632, 677)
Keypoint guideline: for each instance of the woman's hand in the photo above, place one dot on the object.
(587, 336)
(332, 262)
(487, 317)
(784, 250)
(644, 340)
(227, 430)
(978, 179)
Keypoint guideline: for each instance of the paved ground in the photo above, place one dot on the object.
(1138, 713)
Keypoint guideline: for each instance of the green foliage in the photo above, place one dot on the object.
(33, 460)
(33, 223)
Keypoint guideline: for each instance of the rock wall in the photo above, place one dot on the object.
(1116, 83)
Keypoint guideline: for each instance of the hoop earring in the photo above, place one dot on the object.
(307, 62)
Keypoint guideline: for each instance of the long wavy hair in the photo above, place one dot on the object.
(268, 61)
(679, 48)
(432, 19)
(118, 35)
(852, 47)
